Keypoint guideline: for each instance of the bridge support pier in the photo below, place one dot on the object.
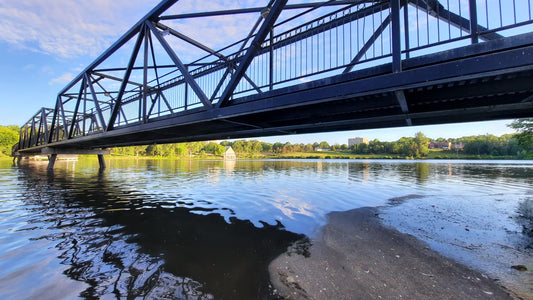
(101, 161)
(52, 154)
(51, 161)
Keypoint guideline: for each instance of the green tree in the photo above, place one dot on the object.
(255, 147)
(215, 149)
(14, 128)
(180, 149)
(8, 138)
(267, 147)
(277, 147)
(239, 146)
(421, 145)
(324, 145)
(524, 137)
(194, 147)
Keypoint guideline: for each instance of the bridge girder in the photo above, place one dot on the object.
(301, 68)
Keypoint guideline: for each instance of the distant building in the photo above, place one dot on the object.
(229, 154)
(440, 145)
(458, 146)
(357, 141)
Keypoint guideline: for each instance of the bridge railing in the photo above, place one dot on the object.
(300, 44)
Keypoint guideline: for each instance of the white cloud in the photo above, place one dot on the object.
(63, 79)
(71, 29)
(66, 28)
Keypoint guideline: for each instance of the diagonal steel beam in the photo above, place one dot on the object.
(368, 44)
(205, 48)
(254, 48)
(64, 118)
(189, 40)
(230, 68)
(44, 119)
(82, 88)
(153, 104)
(400, 97)
(41, 118)
(55, 115)
(96, 102)
(166, 102)
(118, 102)
(188, 77)
(106, 92)
(116, 78)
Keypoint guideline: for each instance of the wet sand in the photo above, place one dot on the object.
(356, 257)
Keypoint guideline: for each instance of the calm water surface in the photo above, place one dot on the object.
(208, 229)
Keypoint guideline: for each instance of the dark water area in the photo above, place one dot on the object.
(169, 229)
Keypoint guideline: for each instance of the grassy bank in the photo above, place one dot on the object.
(434, 154)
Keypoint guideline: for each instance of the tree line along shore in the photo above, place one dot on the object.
(509, 146)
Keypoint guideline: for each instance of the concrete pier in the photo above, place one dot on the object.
(52, 154)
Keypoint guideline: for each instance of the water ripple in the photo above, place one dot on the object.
(207, 229)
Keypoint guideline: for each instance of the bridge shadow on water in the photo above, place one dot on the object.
(124, 244)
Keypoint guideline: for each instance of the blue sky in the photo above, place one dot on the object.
(45, 44)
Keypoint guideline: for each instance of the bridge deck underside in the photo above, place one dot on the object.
(441, 88)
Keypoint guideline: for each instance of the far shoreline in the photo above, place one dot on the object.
(318, 155)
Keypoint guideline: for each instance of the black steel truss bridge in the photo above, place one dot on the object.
(288, 67)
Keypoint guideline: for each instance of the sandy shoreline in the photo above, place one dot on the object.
(356, 257)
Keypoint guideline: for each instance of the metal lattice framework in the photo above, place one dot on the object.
(298, 67)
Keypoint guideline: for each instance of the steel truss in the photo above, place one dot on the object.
(299, 61)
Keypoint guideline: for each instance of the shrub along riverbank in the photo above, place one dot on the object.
(472, 147)
(509, 146)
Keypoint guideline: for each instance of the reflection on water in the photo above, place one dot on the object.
(205, 229)
(128, 244)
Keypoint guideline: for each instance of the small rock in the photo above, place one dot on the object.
(521, 268)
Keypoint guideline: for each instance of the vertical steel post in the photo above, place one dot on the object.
(145, 76)
(271, 62)
(406, 26)
(84, 127)
(32, 132)
(20, 143)
(185, 100)
(396, 37)
(473, 21)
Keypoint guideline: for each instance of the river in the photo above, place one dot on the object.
(180, 229)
